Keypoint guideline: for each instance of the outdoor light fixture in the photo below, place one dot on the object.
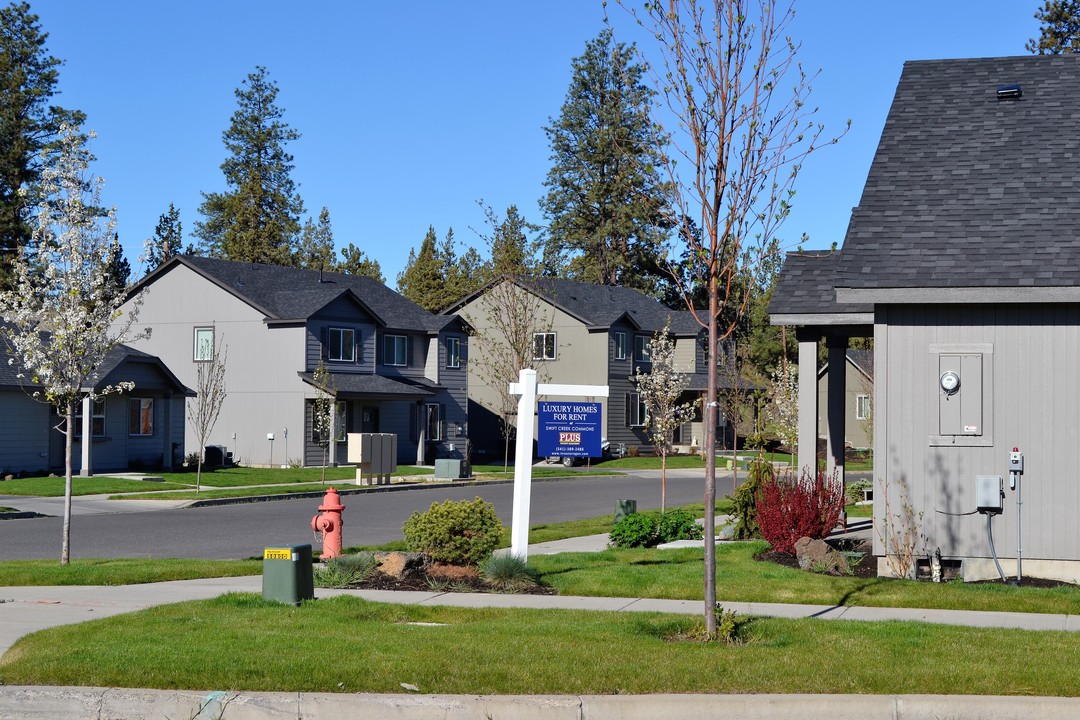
(950, 382)
(1010, 92)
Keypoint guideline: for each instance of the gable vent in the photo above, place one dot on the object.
(1009, 92)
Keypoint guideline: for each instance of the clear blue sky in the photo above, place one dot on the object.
(412, 111)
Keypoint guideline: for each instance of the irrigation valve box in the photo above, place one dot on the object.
(989, 492)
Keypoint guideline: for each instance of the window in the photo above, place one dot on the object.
(434, 424)
(544, 346)
(140, 416)
(862, 407)
(636, 411)
(453, 352)
(641, 348)
(341, 418)
(620, 346)
(396, 350)
(204, 344)
(97, 419)
(342, 345)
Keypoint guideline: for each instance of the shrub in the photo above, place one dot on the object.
(744, 499)
(789, 509)
(854, 491)
(677, 525)
(345, 571)
(509, 573)
(458, 533)
(634, 530)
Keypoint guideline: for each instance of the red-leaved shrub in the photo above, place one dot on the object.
(789, 509)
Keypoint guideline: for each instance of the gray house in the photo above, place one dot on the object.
(963, 257)
(141, 429)
(393, 366)
(590, 334)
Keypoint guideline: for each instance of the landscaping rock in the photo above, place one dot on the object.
(400, 564)
(818, 556)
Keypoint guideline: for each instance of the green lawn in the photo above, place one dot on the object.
(240, 642)
(54, 486)
(119, 572)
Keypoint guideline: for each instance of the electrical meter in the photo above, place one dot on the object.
(989, 492)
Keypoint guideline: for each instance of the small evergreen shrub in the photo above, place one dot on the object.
(744, 499)
(634, 530)
(509, 573)
(854, 491)
(458, 533)
(789, 509)
(677, 525)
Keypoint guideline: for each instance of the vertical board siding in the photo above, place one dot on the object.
(1035, 395)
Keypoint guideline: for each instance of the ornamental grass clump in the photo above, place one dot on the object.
(509, 573)
(455, 532)
(789, 509)
(346, 571)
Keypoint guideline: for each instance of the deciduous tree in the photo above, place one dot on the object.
(1059, 30)
(63, 314)
(322, 411)
(257, 219)
(203, 410)
(605, 202)
(29, 125)
(740, 126)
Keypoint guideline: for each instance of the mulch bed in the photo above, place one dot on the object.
(442, 578)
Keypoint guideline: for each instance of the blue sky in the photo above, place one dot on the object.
(412, 111)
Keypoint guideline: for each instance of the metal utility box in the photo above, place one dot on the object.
(989, 490)
(287, 574)
(448, 468)
(624, 508)
(375, 454)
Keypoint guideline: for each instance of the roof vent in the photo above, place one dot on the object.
(1009, 92)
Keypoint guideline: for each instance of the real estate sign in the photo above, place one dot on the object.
(568, 429)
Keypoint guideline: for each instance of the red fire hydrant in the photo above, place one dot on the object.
(329, 524)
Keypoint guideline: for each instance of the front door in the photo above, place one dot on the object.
(369, 419)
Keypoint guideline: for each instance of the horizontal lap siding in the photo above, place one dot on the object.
(24, 443)
(1035, 396)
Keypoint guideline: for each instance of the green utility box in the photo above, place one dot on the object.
(287, 574)
(624, 508)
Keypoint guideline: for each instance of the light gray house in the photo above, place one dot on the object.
(394, 367)
(964, 254)
(858, 399)
(588, 334)
(141, 429)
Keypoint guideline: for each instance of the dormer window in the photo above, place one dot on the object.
(341, 346)
(641, 348)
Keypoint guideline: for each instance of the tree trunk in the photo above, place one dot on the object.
(198, 475)
(663, 481)
(710, 465)
(69, 435)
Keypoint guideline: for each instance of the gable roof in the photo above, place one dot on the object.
(601, 306)
(287, 294)
(860, 359)
(971, 197)
(805, 292)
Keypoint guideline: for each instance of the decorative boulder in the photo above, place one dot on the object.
(818, 556)
(400, 564)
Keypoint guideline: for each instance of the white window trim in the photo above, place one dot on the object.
(543, 354)
(620, 346)
(860, 413)
(638, 411)
(340, 346)
(94, 415)
(196, 355)
(432, 410)
(387, 359)
(641, 348)
(141, 401)
(453, 352)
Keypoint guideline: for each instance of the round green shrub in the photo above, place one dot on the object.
(634, 530)
(677, 525)
(459, 533)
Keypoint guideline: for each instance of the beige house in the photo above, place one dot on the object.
(858, 399)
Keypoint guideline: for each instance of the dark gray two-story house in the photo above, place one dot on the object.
(393, 366)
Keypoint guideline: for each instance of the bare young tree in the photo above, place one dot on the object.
(734, 107)
(203, 411)
(661, 389)
(62, 315)
(322, 411)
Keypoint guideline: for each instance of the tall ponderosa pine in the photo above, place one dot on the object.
(168, 240)
(513, 252)
(28, 123)
(605, 204)
(315, 250)
(422, 281)
(355, 262)
(1060, 28)
(258, 218)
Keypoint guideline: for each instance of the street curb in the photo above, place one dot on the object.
(129, 704)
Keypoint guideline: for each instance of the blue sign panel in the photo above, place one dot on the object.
(568, 429)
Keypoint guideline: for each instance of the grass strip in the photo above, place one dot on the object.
(130, 571)
(241, 642)
(54, 486)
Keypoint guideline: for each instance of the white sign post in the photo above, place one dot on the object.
(527, 388)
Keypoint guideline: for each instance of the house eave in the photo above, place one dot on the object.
(822, 318)
(958, 295)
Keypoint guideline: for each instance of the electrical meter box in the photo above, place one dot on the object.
(989, 490)
(1016, 461)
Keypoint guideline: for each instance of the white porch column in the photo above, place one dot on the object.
(808, 412)
(837, 395)
(87, 434)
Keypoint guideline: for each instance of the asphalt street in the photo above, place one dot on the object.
(244, 530)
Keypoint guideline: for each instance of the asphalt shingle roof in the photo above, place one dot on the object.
(286, 293)
(602, 305)
(807, 285)
(967, 190)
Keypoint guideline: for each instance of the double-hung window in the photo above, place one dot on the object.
(544, 345)
(342, 345)
(862, 407)
(620, 346)
(434, 422)
(140, 416)
(396, 350)
(636, 412)
(97, 418)
(204, 344)
(641, 348)
(453, 352)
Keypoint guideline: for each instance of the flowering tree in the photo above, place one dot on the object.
(62, 316)
(322, 411)
(203, 411)
(785, 403)
(660, 388)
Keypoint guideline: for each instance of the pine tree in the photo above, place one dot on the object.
(355, 262)
(1060, 30)
(605, 203)
(29, 124)
(315, 249)
(421, 281)
(513, 253)
(168, 240)
(258, 218)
